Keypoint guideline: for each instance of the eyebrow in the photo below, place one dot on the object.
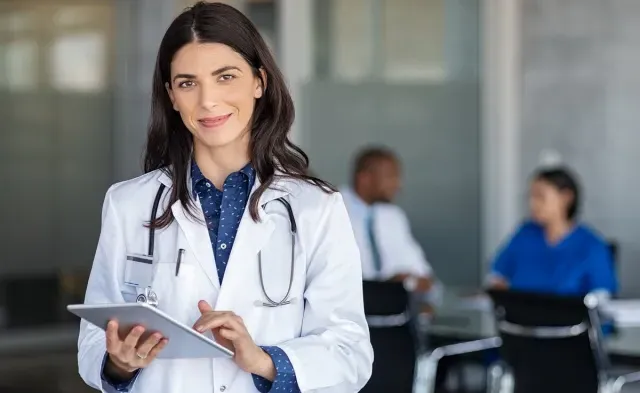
(214, 73)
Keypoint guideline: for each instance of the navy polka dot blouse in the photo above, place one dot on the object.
(223, 210)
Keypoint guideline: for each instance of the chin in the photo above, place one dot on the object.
(216, 140)
(538, 220)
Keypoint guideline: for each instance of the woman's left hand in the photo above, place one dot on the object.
(228, 330)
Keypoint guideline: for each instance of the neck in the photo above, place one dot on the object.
(218, 163)
(363, 196)
(555, 231)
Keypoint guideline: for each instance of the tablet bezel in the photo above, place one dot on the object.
(109, 311)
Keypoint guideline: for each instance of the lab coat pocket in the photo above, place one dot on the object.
(177, 294)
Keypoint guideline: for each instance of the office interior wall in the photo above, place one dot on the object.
(580, 98)
(140, 26)
(56, 102)
(418, 99)
(75, 79)
(501, 180)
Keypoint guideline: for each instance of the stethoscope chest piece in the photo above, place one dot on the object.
(148, 297)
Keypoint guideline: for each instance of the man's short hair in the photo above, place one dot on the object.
(370, 156)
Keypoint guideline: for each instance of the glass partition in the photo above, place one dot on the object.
(404, 73)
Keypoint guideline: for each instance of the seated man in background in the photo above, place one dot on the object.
(389, 252)
(387, 247)
(553, 252)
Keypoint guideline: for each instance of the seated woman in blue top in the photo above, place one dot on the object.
(553, 252)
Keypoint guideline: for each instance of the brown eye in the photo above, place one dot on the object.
(186, 84)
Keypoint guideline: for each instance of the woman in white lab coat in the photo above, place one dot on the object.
(219, 164)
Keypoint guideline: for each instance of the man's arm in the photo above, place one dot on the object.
(411, 265)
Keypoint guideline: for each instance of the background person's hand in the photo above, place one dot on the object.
(417, 283)
(128, 354)
(228, 330)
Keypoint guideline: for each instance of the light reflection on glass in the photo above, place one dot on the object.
(413, 40)
(20, 60)
(74, 16)
(16, 22)
(78, 62)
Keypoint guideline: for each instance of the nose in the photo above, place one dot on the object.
(209, 96)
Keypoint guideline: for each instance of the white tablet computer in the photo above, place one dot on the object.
(184, 341)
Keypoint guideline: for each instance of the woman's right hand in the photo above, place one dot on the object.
(130, 354)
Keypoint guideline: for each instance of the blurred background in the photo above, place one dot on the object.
(472, 95)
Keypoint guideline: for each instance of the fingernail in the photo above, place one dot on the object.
(157, 337)
(199, 328)
(139, 329)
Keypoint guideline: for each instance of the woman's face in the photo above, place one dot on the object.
(547, 203)
(215, 90)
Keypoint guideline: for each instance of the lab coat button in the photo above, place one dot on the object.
(223, 388)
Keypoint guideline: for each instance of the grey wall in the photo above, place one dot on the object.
(433, 124)
(434, 129)
(141, 25)
(61, 149)
(55, 142)
(581, 94)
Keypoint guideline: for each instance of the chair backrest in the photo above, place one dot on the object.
(382, 298)
(386, 306)
(548, 341)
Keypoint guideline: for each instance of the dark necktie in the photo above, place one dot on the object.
(375, 253)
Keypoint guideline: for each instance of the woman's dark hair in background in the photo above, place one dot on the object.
(169, 142)
(563, 180)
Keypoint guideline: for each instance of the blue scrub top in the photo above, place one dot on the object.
(578, 264)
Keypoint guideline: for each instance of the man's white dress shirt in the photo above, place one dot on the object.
(399, 252)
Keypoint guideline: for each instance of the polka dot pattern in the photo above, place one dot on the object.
(223, 210)
(285, 380)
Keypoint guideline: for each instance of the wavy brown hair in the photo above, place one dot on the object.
(169, 143)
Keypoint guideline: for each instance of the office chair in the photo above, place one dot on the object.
(386, 305)
(552, 344)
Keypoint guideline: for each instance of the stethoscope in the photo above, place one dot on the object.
(150, 297)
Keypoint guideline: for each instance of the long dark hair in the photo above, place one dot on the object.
(169, 142)
(563, 180)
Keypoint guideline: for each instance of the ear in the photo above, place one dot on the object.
(171, 96)
(568, 197)
(262, 84)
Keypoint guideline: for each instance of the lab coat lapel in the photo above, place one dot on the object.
(196, 234)
(250, 239)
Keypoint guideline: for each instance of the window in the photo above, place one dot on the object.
(390, 40)
(78, 62)
(19, 65)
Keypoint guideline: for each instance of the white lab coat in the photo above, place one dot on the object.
(325, 336)
(399, 252)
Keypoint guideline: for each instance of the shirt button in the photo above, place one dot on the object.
(223, 246)
(223, 388)
(208, 184)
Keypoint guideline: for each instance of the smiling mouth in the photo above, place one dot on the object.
(212, 122)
